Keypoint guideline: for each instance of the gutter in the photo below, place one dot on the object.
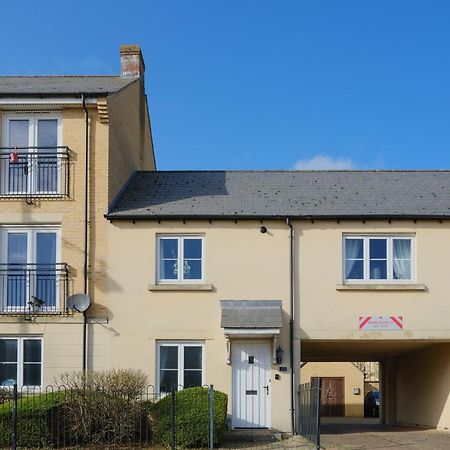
(118, 216)
(291, 322)
(86, 226)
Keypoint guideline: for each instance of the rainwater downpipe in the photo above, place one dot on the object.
(291, 321)
(86, 225)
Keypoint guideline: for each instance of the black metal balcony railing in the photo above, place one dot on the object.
(34, 171)
(34, 289)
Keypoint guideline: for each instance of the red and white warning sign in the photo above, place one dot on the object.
(381, 323)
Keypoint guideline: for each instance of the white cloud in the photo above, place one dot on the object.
(323, 162)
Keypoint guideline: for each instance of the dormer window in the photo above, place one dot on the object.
(32, 160)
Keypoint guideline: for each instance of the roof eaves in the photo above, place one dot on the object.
(120, 216)
(56, 94)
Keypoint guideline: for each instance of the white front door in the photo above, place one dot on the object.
(251, 384)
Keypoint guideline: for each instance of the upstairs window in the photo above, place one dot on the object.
(378, 258)
(29, 269)
(31, 156)
(180, 259)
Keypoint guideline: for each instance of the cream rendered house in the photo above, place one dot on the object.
(224, 278)
(229, 269)
(68, 143)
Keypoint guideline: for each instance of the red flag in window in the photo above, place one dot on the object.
(14, 157)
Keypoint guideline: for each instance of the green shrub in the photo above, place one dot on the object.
(104, 407)
(191, 418)
(36, 424)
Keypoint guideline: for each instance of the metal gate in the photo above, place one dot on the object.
(309, 409)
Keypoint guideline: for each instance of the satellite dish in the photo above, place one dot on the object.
(79, 302)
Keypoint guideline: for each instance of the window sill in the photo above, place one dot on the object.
(32, 194)
(180, 287)
(381, 287)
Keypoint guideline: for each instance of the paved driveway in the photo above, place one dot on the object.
(348, 433)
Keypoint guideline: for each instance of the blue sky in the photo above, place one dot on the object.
(255, 84)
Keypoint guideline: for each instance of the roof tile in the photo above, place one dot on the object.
(327, 194)
(62, 85)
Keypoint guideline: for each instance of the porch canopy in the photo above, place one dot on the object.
(251, 319)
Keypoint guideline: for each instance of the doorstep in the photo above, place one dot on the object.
(251, 435)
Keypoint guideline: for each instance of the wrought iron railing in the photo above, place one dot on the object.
(33, 289)
(105, 412)
(34, 171)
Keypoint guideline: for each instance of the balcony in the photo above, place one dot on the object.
(34, 172)
(30, 290)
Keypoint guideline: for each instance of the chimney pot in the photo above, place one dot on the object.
(131, 62)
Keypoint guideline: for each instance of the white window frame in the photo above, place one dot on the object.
(32, 232)
(180, 345)
(389, 256)
(20, 360)
(33, 118)
(180, 238)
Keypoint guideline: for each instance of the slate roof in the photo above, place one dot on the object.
(276, 194)
(251, 314)
(61, 85)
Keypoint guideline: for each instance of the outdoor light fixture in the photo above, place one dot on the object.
(263, 229)
(279, 355)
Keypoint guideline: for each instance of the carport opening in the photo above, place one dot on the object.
(350, 392)
(414, 389)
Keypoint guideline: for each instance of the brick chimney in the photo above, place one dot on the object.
(131, 62)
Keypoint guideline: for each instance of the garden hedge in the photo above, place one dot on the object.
(35, 425)
(191, 418)
(45, 421)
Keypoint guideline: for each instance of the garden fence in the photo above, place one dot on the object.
(59, 417)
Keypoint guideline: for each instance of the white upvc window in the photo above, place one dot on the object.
(21, 361)
(181, 364)
(29, 161)
(378, 259)
(180, 259)
(29, 268)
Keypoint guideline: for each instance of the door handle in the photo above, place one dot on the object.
(267, 389)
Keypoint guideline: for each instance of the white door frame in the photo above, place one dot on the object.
(237, 397)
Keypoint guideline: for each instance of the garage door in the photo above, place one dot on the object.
(332, 401)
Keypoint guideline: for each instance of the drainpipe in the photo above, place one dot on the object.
(86, 224)
(291, 321)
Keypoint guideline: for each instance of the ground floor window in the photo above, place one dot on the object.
(180, 364)
(20, 361)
